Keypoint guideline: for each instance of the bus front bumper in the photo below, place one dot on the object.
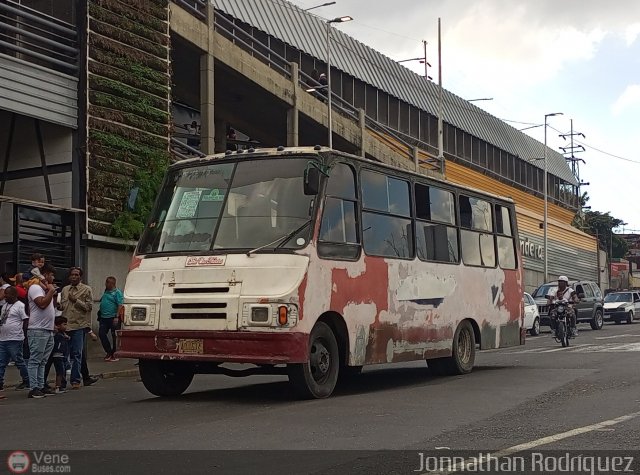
(214, 346)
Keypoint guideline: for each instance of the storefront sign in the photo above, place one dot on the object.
(530, 249)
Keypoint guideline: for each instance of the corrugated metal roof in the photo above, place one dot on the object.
(308, 33)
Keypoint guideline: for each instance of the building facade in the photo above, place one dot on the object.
(88, 128)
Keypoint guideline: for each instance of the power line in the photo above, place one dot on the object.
(600, 150)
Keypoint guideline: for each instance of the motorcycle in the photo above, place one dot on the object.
(560, 319)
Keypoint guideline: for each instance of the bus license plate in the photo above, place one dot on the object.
(190, 347)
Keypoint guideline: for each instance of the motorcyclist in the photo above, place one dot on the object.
(567, 293)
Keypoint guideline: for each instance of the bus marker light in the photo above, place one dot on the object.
(283, 315)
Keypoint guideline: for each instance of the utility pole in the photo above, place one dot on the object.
(572, 149)
(426, 64)
(440, 103)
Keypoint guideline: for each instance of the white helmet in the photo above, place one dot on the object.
(563, 278)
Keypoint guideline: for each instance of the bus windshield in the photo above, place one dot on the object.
(231, 206)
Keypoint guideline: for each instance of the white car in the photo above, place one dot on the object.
(622, 306)
(531, 315)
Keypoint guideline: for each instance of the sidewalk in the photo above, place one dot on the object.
(97, 367)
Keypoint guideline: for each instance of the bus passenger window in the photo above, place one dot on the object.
(505, 243)
(506, 252)
(384, 193)
(436, 241)
(477, 248)
(339, 221)
(475, 214)
(503, 221)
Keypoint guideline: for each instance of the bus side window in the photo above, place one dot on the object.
(504, 239)
(338, 238)
(477, 241)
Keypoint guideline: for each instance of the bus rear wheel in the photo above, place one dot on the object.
(165, 378)
(316, 379)
(463, 353)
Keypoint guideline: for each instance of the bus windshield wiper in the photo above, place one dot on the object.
(281, 240)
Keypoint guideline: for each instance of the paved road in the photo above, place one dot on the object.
(520, 395)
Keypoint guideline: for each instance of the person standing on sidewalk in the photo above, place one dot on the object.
(40, 331)
(13, 321)
(76, 302)
(110, 303)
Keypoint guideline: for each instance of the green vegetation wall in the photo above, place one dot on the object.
(128, 100)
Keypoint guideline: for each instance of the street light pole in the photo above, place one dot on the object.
(546, 199)
(318, 6)
(341, 19)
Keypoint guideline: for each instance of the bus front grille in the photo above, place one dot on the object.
(198, 316)
(200, 290)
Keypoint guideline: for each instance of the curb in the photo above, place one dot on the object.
(123, 373)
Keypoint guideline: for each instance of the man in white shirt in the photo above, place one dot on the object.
(13, 321)
(567, 293)
(42, 315)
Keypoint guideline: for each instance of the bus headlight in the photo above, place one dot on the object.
(261, 315)
(138, 314)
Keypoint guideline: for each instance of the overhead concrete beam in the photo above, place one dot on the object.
(349, 128)
(188, 27)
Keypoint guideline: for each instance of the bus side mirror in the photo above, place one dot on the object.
(311, 181)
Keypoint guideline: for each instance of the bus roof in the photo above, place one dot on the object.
(318, 150)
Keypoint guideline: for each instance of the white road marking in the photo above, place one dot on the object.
(583, 348)
(547, 440)
(615, 336)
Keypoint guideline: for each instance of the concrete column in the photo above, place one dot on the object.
(293, 112)
(363, 130)
(207, 102)
(207, 127)
(221, 136)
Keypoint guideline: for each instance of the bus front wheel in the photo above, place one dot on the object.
(463, 354)
(318, 376)
(165, 378)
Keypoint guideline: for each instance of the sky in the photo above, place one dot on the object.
(532, 57)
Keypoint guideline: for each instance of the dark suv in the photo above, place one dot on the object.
(589, 309)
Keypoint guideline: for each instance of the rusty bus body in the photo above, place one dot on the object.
(332, 300)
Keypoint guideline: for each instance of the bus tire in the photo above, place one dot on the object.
(317, 378)
(463, 353)
(165, 378)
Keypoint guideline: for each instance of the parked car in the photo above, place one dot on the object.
(531, 315)
(589, 309)
(622, 306)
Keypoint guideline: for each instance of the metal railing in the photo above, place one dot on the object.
(243, 39)
(32, 36)
(197, 8)
(181, 151)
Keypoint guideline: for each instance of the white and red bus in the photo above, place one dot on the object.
(313, 263)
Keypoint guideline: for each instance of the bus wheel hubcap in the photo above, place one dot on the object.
(320, 360)
(464, 346)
